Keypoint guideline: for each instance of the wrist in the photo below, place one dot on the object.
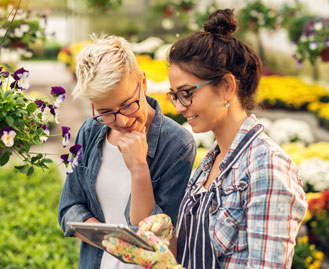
(139, 169)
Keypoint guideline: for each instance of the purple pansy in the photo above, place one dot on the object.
(59, 95)
(3, 75)
(67, 163)
(65, 158)
(76, 152)
(41, 104)
(54, 112)
(44, 138)
(66, 135)
(21, 77)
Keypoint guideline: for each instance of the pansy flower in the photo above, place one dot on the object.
(41, 104)
(44, 138)
(54, 112)
(76, 152)
(59, 95)
(7, 136)
(67, 163)
(66, 135)
(21, 78)
(3, 75)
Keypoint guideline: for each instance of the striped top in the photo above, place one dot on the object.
(260, 207)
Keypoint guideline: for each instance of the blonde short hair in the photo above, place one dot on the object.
(102, 64)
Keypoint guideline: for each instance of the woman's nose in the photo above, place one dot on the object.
(180, 108)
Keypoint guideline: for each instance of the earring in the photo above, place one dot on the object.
(227, 104)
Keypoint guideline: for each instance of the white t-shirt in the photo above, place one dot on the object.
(113, 186)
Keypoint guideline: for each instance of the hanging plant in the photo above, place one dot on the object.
(104, 5)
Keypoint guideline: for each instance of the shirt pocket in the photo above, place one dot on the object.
(228, 234)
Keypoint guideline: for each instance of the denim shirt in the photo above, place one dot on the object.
(170, 157)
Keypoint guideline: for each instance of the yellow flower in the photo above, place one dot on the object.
(200, 153)
(303, 240)
(318, 255)
(290, 90)
(308, 260)
(165, 105)
(298, 152)
(155, 69)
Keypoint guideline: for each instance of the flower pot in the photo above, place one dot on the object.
(168, 11)
(325, 55)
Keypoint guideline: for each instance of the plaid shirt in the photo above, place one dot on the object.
(262, 204)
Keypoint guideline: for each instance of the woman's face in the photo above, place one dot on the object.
(207, 111)
(123, 93)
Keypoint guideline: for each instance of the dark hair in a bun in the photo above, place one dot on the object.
(213, 53)
(221, 22)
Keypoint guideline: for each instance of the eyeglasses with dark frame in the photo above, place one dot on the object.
(126, 110)
(185, 96)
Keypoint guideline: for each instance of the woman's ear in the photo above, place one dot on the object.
(144, 83)
(230, 86)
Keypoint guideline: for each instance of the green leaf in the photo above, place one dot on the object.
(30, 171)
(4, 158)
(8, 93)
(48, 160)
(10, 120)
(31, 107)
(34, 159)
(22, 168)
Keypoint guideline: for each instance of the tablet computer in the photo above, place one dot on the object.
(95, 232)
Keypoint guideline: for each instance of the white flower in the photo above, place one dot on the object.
(18, 32)
(8, 138)
(24, 81)
(201, 139)
(58, 100)
(149, 45)
(303, 38)
(2, 32)
(162, 52)
(313, 45)
(290, 130)
(44, 138)
(167, 24)
(315, 171)
(25, 27)
(318, 26)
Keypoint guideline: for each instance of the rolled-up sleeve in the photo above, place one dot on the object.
(276, 207)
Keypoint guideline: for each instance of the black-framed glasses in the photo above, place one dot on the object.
(126, 110)
(185, 96)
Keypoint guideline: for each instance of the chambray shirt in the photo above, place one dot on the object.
(170, 156)
(261, 206)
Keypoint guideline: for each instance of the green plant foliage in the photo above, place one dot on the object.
(256, 15)
(30, 234)
(104, 4)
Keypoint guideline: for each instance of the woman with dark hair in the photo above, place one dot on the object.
(245, 202)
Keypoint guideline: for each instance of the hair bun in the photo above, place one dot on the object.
(221, 22)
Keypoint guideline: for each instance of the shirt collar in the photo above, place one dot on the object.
(153, 133)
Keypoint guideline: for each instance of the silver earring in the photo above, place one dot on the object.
(227, 104)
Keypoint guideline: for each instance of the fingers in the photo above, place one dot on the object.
(159, 224)
(119, 248)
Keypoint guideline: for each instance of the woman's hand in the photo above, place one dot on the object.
(159, 224)
(133, 147)
(158, 259)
